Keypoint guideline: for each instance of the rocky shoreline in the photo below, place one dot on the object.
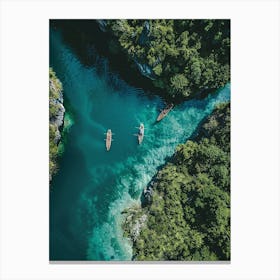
(141, 221)
(56, 119)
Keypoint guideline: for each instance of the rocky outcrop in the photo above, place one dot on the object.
(135, 231)
(144, 39)
(145, 69)
(135, 220)
(56, 120)
(102, 24)
(148, 194)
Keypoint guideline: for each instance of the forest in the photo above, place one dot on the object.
(181, 57)
(185, 214)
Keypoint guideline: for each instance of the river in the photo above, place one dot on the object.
(94, 186)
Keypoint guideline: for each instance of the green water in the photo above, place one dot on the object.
(93, 186)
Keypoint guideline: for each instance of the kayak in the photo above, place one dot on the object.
(164, 112)
(108, 139)
(141, 133)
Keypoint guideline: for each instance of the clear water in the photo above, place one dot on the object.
(94, 186)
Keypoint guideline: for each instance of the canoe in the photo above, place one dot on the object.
(108, 139)
(141, 133)
(164, 112)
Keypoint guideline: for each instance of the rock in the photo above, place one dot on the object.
(60, 116)
(56, 90)
(148, 195)
(56, 117)
(135, 231)
(102, 24)
(145, 69)
(57, 137)
(148, 192)
(144, 37)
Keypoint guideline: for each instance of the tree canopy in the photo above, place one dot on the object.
(188, 217)
(184, 56)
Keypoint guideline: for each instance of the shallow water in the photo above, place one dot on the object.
(93, 186)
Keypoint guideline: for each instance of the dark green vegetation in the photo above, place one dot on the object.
(182, 57)
(55, 107)
(188, 215)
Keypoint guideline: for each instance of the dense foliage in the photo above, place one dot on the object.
(182, 57)
(55, 89)
(188, 217)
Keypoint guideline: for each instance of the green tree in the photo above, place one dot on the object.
(199, 50)
(189, 218)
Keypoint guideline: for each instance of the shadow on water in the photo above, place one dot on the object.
(81, 36)
(64, 229)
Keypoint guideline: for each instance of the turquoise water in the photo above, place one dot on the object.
(93, 186)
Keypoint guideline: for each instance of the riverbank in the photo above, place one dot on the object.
(56, 121)
(185, 212)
